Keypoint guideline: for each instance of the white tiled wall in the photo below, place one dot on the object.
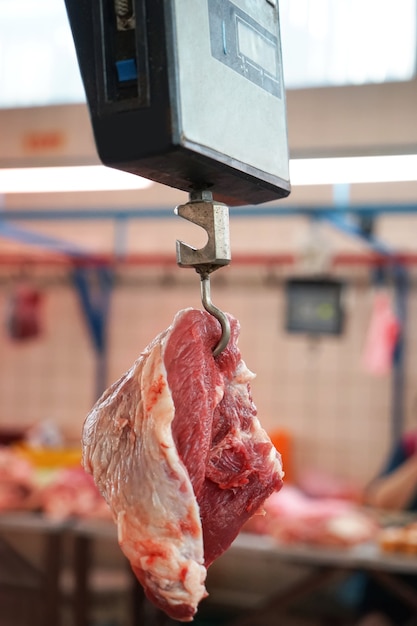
(338, 415)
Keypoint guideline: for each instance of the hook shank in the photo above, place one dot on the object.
(216, 312)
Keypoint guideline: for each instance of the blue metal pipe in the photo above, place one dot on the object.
(345, 224)
(156, 213)
(17, 233)
(95, 304)
(401, 284)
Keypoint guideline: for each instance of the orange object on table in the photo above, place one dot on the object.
(282, 440)
(50, 458)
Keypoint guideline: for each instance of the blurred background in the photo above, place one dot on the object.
(349, 71)
(88, 274)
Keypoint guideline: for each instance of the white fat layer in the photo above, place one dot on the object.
(257, 434)
(147, 486)
(243, 374)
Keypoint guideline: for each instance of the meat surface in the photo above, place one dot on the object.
(177, 451)
(69, 493)
(24, 313)
(17, 482)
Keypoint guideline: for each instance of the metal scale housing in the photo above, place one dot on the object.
(189, 94)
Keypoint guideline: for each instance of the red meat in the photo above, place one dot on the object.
(24, 313)
(178, 452)
(17, 482)
(72, 493)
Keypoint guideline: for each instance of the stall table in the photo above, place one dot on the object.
(51, 533)
(322, 565)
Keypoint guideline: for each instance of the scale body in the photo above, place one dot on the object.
(188, 93)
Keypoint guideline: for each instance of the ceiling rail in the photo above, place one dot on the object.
(157, 213)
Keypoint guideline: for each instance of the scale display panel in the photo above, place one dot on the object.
(314, 306)
(240, 42)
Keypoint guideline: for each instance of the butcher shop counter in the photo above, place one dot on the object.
(27, 581)
(319, 566)
(322, 566)
(49, 566)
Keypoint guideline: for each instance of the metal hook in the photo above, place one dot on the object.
(216, 312)
(214, 218)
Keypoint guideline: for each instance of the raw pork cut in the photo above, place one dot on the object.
(17, 482)
(24, 313)
(178, 453)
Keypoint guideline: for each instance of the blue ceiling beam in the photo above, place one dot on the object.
(346, 224)
(156, 213)
(32, 238)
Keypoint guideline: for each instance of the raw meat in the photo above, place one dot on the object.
(17, 482)
(382, 336)
(294, 518)
(178, 453)
(71, 492)
(24, 312)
